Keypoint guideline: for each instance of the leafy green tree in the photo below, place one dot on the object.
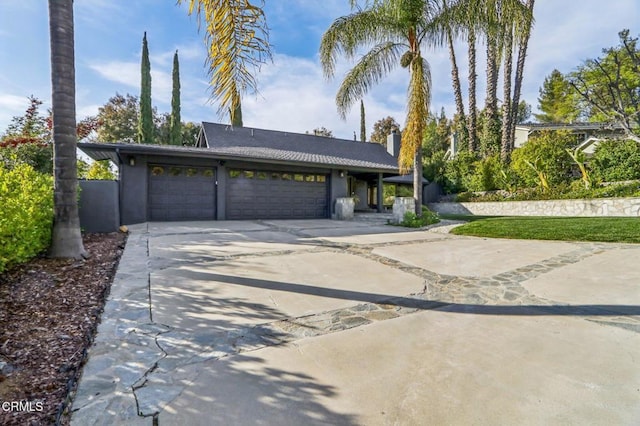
(434, 147)
(118, 119)
(27, 140)
(397, 29)
(545, 154)
(100, 170)
(609, 86)
(321, 131)
(558, 100)
(523, 112)
(383, 128)
(175, 136)
(459, 172)
(66, 237)
(190, 132)
(615, 160)
(145, 119)
(32, 124)
(236, 34)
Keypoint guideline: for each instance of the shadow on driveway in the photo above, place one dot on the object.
(408, 302)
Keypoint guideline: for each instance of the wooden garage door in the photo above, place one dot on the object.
(257, 194)
(181, 193)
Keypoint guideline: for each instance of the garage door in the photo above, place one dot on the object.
(181, 193)
(256, 194)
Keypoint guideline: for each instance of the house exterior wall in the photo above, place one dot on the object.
(521, 136)
(134, 182)
(133, 191)
(337, 189)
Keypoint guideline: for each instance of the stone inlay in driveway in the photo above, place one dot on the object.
(474, 256)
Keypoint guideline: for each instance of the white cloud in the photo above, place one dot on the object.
(294, 96)
(13, 106)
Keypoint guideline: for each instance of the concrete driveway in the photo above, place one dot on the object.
(358, 323)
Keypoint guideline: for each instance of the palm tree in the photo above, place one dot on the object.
(396, 30)
(237, 38)
(508, 22)
(522, 54)
(463, 19)
(455, 73)
(66, 237)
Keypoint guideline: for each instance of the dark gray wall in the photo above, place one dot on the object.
(431, 193)
(337, 189)
(133, 191)
(98, 207)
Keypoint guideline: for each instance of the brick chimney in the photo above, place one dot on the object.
(393, 143)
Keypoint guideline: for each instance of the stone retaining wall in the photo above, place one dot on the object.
(585, 207)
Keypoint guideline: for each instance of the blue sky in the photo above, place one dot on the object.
(293, 96)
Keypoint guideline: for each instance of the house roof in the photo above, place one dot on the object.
(403, 180)
(569, 126)
(252, 143)
(224, 142)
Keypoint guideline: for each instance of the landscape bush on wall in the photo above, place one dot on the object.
(26, 216)
(547, 155)
(616, 161)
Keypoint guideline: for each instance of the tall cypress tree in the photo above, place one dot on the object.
(175, 134)
(363, 127)
(145, 120)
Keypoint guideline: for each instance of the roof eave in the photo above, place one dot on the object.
(91, 148)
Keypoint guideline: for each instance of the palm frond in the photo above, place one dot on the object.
(369, 70)
(236, 35)
(417, 112)
(349, 33)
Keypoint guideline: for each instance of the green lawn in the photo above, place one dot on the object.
(605, 229)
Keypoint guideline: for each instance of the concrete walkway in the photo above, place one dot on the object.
(358, 323)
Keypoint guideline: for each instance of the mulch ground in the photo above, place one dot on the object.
(49, 312)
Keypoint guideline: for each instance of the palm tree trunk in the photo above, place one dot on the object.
(417, 180)
(505, 143)
(457, 90)
(236, 112)
(66, 237)
(522, 54)
(473, 119)
(455, 78)
(491, 132)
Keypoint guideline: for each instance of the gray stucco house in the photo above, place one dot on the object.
(246, 173)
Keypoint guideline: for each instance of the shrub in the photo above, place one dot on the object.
(616, 160)
(485, 176)
(411, 220)
(459, 171)
(38, 156)
(544, 159)
(26, 216)
(100, 170)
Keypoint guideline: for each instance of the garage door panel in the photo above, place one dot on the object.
(276, 195)
(181, 193)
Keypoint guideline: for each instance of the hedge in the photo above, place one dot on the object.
(26, 216)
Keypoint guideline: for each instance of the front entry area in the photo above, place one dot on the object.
(181, 193)
(259, 194)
